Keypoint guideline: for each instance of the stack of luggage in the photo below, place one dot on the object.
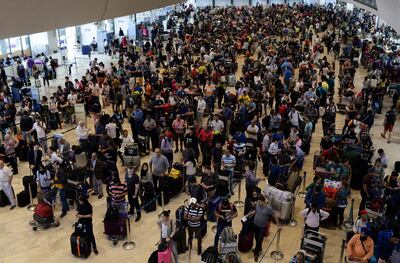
(132, 155)
(115, 227)
(80, 244)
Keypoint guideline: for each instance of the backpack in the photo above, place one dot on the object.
(112, 214)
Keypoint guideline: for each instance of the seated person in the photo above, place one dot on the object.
(360, 248)
(300, 257)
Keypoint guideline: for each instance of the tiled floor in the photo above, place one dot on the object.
(18, 243)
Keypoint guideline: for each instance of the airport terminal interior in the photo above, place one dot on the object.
(200, 131)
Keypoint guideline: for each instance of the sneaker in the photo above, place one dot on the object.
(138, 218)
(95, 251)
(255, 257)
(63, 214)
(12, 207)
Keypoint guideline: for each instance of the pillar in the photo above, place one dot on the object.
(53, 41)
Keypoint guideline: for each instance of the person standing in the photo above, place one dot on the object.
(133, 183)
(83, 135)
(193, 214)
(228, 162)
(40, 127)
(159, 165)
(96, 167)
(34, 158)
(201, 107)
(179, 126)
(43, 179)
(168, 229)
(60, 181)
(388, 123)
(5, 183)
(225, 213)
(150, 128)
(312, 217)
(84, 214)
(262, 214)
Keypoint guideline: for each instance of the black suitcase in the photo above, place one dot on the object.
(23, 198)
(203, 227)
(397, 166)
(4, 199)
(181, 244)
(80, 246)
(154, 257)
(210, 255)
(142, 146)
(163, 187)
(23, 153)
(53, 124)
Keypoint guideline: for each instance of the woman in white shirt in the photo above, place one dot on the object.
(125, 140)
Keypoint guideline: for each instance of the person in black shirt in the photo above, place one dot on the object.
(190, 140)
(133, 182)
(84, 213)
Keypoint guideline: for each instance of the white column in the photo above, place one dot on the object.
(53, 42)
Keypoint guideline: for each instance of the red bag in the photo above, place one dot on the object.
(44, 210)
(266, 233)
(330, 192)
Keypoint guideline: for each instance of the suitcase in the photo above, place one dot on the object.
(153, 257)
(397, 166)
(38, 83)
(181, 245)
(30, 181)
(44, 210)
(80, 246)
(212, 207)
(148, 195)
(4, 199)
(245, 242)
(293, 182)
(132, 160)
(141, 142)
(164, 187)
(175, 186)
(231, 80)
(281, 201)
(16, 95)
(131, 149)
(164, 256)
(115, 229)
(23, 198)
(53, 124)
(23, 153)
(203, 227)
(210, 255)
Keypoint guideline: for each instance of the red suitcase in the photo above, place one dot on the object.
(115, 229)
(165, 256)
(245, 242)
(44, 210)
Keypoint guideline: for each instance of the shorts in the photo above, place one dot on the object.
(389, 127)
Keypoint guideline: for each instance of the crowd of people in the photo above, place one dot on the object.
(181, 100)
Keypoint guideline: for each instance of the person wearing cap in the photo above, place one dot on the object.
(193, 214)
(360, 248)
(360, 222)
(225, 213)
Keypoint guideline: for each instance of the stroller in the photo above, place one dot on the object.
(43, 216)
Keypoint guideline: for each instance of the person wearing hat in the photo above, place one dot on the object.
(360, 222)
(225, 213)
(360, 248)
(193, 214)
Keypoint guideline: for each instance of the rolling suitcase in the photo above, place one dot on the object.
(80, 246)
(53, 124)
(293, 182)
(38, 83)
(23, 198)
(15, 95)
(203, 227)
(210, 255)
(164, 256)
(231, 80)
(245, 242)
(142, 145)
(164, 187)
(115, 229)
(180, 240)
(281, 201)
(3, 199)
(153, 257)
(29, 181)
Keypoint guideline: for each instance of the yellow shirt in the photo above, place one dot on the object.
(202, 69)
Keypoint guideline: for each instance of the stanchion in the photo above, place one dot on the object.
(162, 200)
(128, 244)
(31, 206)
(239, 203)
(293, 221)
(350, 221)
(277, 254)
(342, 251)
(303, 192)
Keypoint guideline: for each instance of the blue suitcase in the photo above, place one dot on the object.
(16, 95)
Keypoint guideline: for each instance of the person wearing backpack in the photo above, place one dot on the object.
(388, 123)
(168, 230)
(312, 217)
(225, 213)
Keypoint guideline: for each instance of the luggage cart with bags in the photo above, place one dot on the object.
(132, 155)
(314, 244)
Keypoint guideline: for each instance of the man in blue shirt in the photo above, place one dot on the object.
(136, 121)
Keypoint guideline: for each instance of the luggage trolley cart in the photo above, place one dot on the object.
(314, 244)
(116, 231)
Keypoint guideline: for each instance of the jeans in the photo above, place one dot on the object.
(259, 237)
(43, 143)
(63, 199)
(7, 189)
(97, 186)
(220, 228)
(230, 180)
(27, 136)
(197, 232)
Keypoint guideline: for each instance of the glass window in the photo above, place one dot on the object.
(201, 3)
(241, 2)
(39, 43)
(223, 2)
(121, 22)
(277, 1)
(4, 48)
(260, 2)
(26, 46)
(15, 45)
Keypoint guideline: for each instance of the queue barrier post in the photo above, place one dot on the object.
(303, 192)
(239, 203)
(277, 254)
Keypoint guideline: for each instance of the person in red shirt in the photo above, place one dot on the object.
(205, 138)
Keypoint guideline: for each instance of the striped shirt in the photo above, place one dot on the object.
(228, 162)
(193, 212)
(118, 192)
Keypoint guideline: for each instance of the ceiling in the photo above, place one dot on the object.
(22, 17)
(388, 10)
